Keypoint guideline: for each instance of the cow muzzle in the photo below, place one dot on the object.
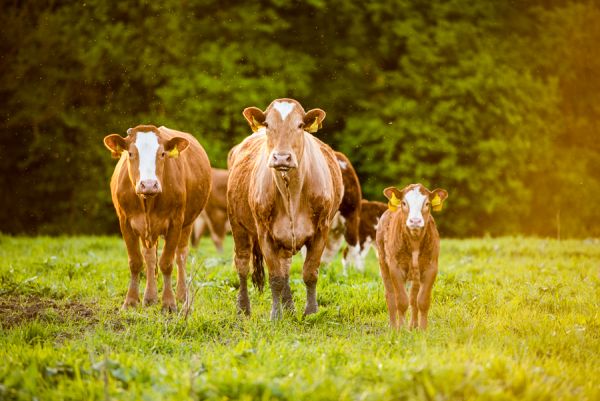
(282, 161)
(148, 188)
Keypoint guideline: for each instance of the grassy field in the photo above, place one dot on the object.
(511, 318)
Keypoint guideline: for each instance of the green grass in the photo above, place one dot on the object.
(511, 319)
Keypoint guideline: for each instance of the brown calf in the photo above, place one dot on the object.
(214, 215)
(284, 188)
(159, 187)
(409, 244)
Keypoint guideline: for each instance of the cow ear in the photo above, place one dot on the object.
(394, 196)
(175, 146)
(116, 144)
(313, 120)
(437, 198)
(255, 117)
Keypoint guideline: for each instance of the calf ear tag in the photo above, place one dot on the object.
(174, 153)
(393, 203)
(314, 127)
(255, 125)
(436, 203)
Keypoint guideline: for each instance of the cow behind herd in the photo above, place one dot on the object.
(284, 190)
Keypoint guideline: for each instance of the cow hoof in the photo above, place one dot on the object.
(130, 303)
(150, 301)
(310, 309)
(169, 308)
(243, 309)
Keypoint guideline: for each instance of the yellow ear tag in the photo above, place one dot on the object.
(314, 127)
(174, 153)
(393, 203)
(436, 203)
(255, 125)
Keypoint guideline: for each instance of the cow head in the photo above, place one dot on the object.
(415, 203)
(146, 152)
(284, 122)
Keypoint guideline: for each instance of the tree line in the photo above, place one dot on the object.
(498, 102)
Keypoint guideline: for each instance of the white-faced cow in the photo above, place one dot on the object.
(159, 187)
(409, 245)
(284, 188)
(214, 215)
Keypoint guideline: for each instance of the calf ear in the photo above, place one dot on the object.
(313, 120)
(255, 117)
(116, 144)
(175, 146)
(437, 198)
(394, 196)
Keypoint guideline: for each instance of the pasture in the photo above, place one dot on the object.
(511, 318)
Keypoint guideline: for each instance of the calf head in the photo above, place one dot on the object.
(284, 122)
(146, 151)
(415, 203)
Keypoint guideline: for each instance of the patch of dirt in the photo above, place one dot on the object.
(16, 310)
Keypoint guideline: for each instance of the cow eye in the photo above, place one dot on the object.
(130, 154)
(426, 204)
(265, 124)
(301, 125)
(163, 154)
(404, 203)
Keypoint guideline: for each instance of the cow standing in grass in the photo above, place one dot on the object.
(160, 185)
(370, 213)
(284, 188)
(409, 245)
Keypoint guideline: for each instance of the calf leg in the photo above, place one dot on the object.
(414, 311)
(181, 258)
(166, 267)
(390, 293)
(132, 242)
(151, 291)
(401, 297)
(424, 297)
(217, 225)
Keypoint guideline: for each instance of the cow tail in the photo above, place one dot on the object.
(258, 268)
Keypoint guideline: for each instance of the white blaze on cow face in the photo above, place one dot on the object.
(284, 109)
(147, 146)
(415, 200)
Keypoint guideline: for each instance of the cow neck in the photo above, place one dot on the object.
(289, 184)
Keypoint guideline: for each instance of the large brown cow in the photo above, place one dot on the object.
(214, 215)
(159, 186)
(284, 188)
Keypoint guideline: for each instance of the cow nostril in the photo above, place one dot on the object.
(288, 158)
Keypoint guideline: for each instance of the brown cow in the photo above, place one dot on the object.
(370, 214)
(284, 188)
(214, 215)
(159, 186)
(409, 244)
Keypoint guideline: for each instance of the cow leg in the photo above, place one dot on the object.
(310, 271)
(390, 293)
(277, 272)
(166, 267)
(151, 291)
(181, 257)
(136, 263)
(424, 297)
(216, 224)
(199, 227)
(286, 294)
(414, 311)
(243, 253)
(400, 296)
